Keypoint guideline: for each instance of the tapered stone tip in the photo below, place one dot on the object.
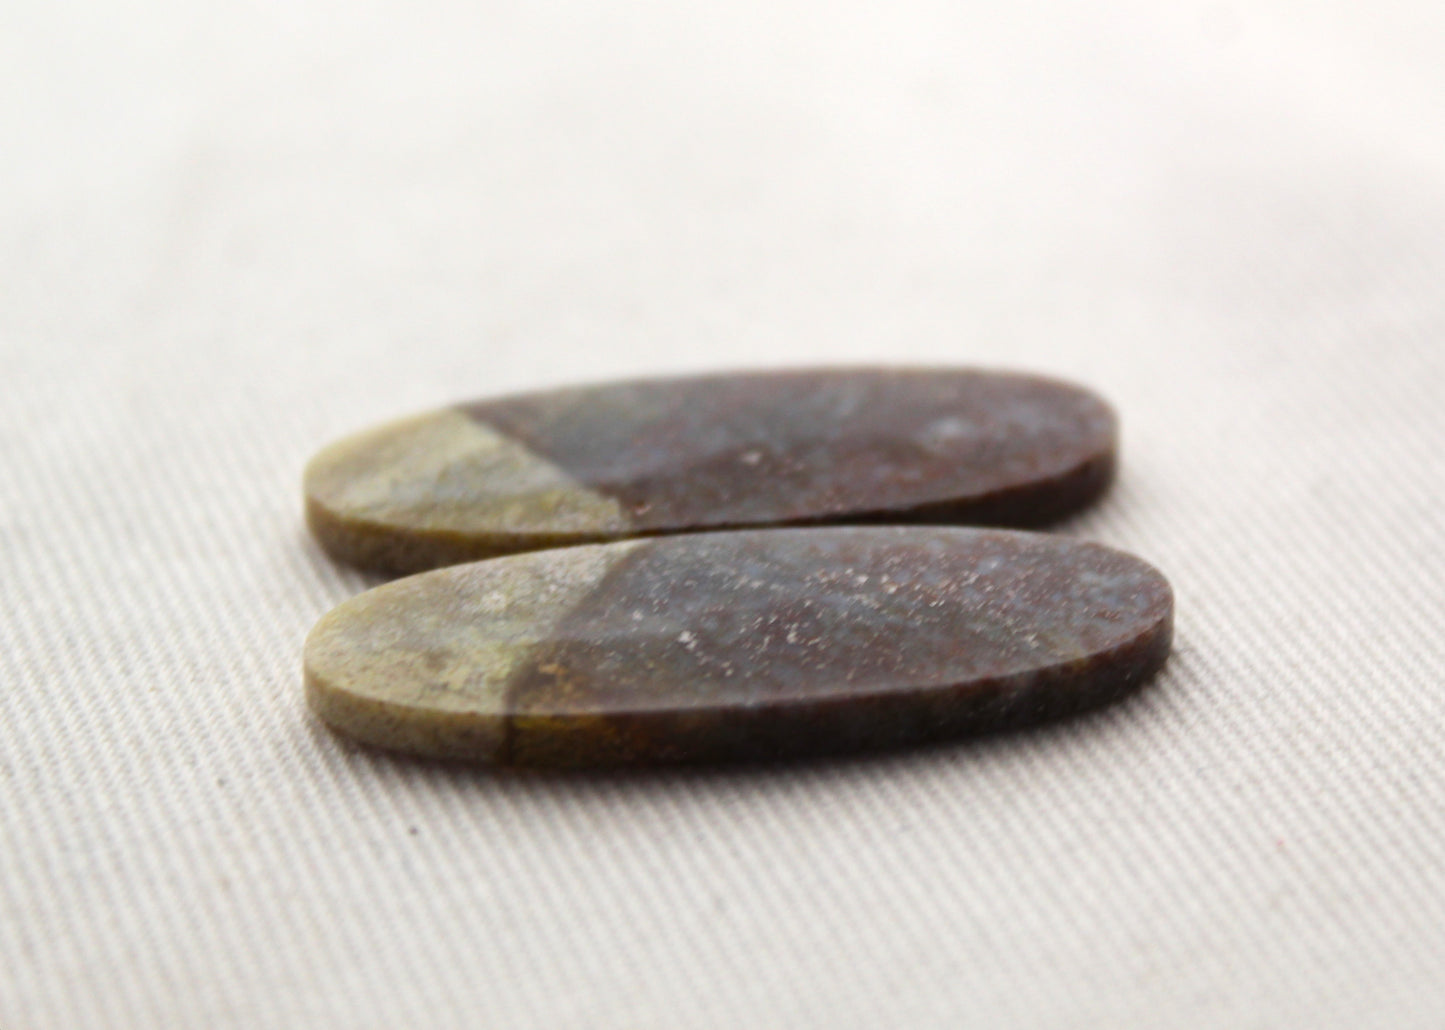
(662, 456)
(739, 645)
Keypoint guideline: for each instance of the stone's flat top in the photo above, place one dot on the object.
(749, 644)
(659, 456)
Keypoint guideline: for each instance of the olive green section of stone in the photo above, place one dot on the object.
(442, 487)
(424, 664)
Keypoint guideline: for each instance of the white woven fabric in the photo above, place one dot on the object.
(230, 233)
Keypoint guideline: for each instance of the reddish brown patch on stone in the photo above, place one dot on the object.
(762, 645)
(778, 448)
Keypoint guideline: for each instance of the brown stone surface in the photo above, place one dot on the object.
(728, 451)
(739, 645)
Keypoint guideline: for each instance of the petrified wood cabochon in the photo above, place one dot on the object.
(671, 455)
(757, 644)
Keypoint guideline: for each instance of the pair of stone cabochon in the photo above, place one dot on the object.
(745, 566)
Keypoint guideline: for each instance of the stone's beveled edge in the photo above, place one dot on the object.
(782, 732)
(409, 495)
(394, 727)
(453, 713)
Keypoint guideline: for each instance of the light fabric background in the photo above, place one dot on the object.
(230, 233)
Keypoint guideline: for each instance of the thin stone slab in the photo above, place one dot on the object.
(727, 451)
(738, 645)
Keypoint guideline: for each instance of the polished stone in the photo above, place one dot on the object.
(738, 645)
(663, 456)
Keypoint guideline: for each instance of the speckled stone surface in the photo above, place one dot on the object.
(652, 457)
(738, 645)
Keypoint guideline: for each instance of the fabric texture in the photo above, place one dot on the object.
(231, 233)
